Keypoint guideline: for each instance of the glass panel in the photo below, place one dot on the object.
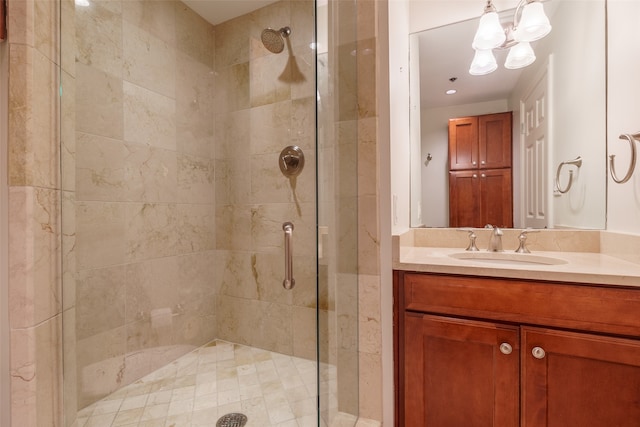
(337, 130)
(173, 213)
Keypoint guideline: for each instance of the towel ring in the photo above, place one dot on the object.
(577, 162)
(632, 165)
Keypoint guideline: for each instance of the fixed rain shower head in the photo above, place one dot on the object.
(273, 40)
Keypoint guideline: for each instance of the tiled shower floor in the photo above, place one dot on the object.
(271, 389)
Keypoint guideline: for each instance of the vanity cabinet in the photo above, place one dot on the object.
(477, 351)
(480, 181)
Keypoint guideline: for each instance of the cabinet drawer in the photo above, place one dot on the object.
(555, 304)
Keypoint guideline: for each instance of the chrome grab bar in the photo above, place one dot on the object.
(289, 282)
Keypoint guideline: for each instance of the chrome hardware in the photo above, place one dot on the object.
(472, 239)
(522, 238)
(506, 348)
(495, 241)
(577, 162)
(291, 161)
(538, 352)
(289, 282)
(632, 165)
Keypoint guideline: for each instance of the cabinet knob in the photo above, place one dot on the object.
(473, 163)
(482, 162)
(475, 175)
(505, 348)
(538, 352)
(483, 176)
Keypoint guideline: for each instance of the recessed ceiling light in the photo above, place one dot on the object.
(451, 91)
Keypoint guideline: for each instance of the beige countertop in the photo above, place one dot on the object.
(580, 267)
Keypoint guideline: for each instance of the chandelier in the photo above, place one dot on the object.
(530, 23)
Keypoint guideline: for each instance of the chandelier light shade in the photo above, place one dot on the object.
(533, 24)
(483, 63)
(490, 33)
(520, 56)
(530, 25)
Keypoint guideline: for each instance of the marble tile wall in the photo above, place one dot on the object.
(265, 102)
(144, 190)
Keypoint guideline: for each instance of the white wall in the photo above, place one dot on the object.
(435, 140)
(399, 117)
(623, 202)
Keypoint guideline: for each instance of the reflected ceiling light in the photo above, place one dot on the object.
(530, 23)
(483, 63)
(83, 3)
(451, 92)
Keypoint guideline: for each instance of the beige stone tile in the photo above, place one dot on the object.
(68, 42)
(100, 365)
(196, 228)
(70, 380)
(368, 314)
(232, 183)
(46, 22)
(237, 274)
(269, 185)
(232, 42)
(269, 273)
(194, 107)
(67, 132)
(195, 179)
(149, 118)
(366, 57)
(233, 227)
(370, 386)
(624, 246)
(148, 61)
(151, 230)
(20, 18)
(195, 329)
(99, 102)
(152, 289)
(198, 272)
(269, 79)
(35, 294)
(69, 262)
(33, 127)
(302, 68)
(303, 122)
(347, 381)
(157, 18)
(270, 128)
(267, 233)
(194, 35)
(36, 353)
(368, 239)
(302, 21)
(366, 157)
(101, 295)
(100, 234)
(98, 37)
(304, 332)
(232, 88)
(346, 83)
(232, 135)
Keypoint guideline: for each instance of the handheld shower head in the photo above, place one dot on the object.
(273, 40)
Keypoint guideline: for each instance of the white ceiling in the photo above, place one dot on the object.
(218, 11)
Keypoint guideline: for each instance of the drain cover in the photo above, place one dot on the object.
(232, 420)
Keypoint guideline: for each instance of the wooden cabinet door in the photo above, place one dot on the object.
(495, 140)
(580, 380)
(463, 143)
(464, 199)
(455, 374)
(496, 200)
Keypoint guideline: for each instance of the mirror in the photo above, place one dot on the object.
(570, 70)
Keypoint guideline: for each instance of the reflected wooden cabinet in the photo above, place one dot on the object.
(480, 181)
(478, 198)
(479, 352)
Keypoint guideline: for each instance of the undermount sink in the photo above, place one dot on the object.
(509, 258)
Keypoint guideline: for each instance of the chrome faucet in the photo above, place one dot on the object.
(495, 241)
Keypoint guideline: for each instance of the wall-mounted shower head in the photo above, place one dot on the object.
(273, 40)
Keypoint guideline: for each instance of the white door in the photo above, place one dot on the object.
(536, 148)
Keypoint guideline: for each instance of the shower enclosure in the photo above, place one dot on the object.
(175, 129)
